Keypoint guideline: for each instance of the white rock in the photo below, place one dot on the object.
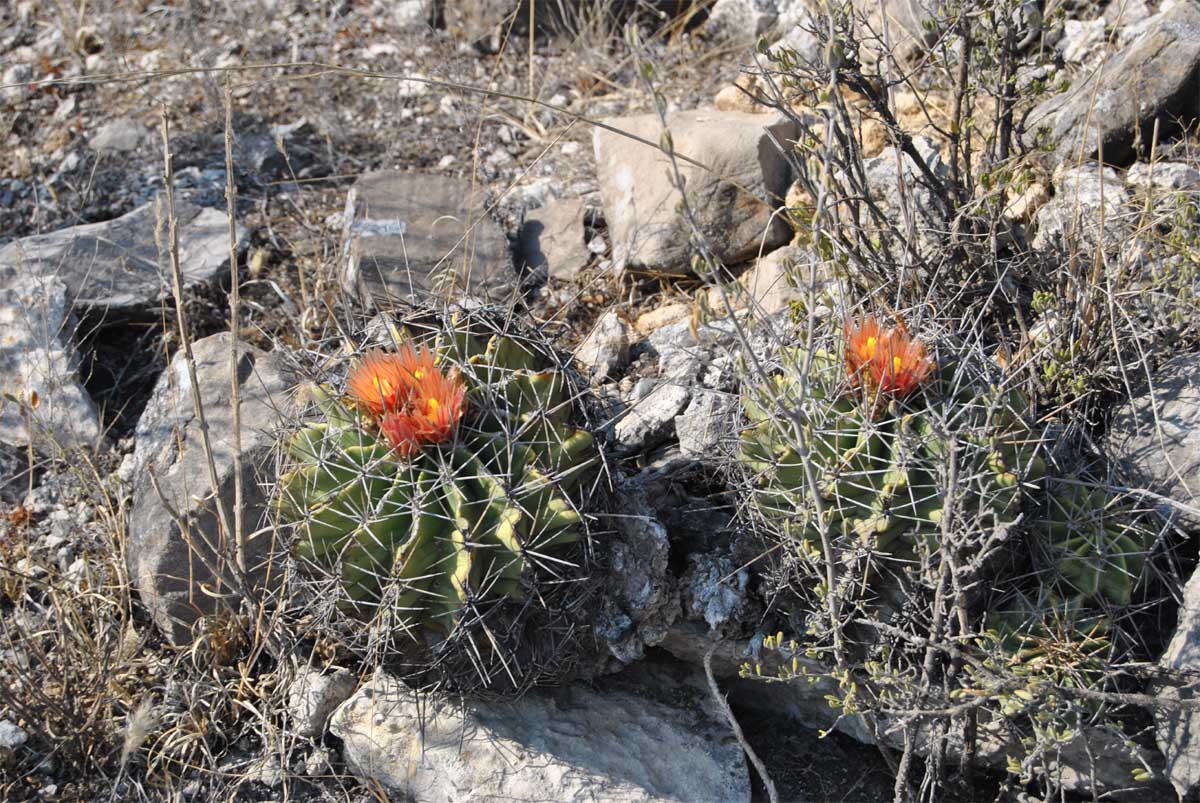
(1155, 438)
(1163, 176)
(15, 82)
(411, 13)
(115, 263)
(12, 736)
(173, 570)
(119, 136)
(741, 20)
(313, 695)
(574, 745)
(606, 348)
(1083, 42)
(1088, 200)
(708, 419)
(37, 356)
(648, 420)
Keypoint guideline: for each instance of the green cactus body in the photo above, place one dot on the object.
(1098, 544)
(1048, 636)
(879, 467)
(457, 524)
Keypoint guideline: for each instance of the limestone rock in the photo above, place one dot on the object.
(707, 421)
(576, 745)
(922, 199)
(1085, 198)
(122, 135)
(1153, 78)
(735, 173)
(169, 565)
(313, 696)
(648, 420)
(606, 349)
(650, 322)
(1082, 42)
(638, 600)
(115, 264)
(553, 237)
(776, 279)
(1163, 177)
(1155, 438)
(1178, 732)
(414, 236)
(37, 356)
(742, 20)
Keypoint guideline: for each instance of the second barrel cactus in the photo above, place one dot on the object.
(881, 446)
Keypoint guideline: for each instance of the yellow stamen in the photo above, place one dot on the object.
(869, 351)
(431, 406)
(419, 374)
(383, 386)
(896, 363)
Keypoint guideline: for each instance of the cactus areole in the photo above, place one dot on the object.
(437, 481)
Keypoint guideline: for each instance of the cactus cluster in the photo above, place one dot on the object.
(880, 446)
(437, 481)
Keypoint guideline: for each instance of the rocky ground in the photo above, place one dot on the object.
(381, 152)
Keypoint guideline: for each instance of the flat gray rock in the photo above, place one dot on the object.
(172, 565)
(115, 263)
(37, 356)
(572, 745)
(1155, 77)
(409, 236)
(737, 178)
(1163, 177)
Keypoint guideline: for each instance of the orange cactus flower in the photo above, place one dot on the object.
(900, 364)
(889, 361)
(436, 403)
(381, 383)
(862, 341)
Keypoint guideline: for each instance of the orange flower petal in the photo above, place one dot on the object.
(379, 383)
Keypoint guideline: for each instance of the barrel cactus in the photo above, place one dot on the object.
(880, 421)
(432, 486)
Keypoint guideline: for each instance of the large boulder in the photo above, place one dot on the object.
(1153, 79)
(1155, 438)
(735, 169)
(38, 358)
(571, 745)
(180, 558)
(412, 236)
(115, 264)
